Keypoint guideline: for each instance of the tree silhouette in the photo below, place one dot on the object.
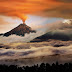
(67, 67)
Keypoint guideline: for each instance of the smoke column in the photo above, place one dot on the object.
(22, 16)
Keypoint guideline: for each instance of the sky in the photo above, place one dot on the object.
(13, 12)
(58, 8)
(35, 22)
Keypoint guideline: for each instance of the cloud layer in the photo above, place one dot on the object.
(52, 8)
(15, 38)
(35, 55)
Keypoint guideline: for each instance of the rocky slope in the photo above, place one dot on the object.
(20, 30)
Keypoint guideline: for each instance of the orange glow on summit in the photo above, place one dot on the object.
(22, 17)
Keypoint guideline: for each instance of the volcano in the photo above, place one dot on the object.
(50, 35)
(20, 30)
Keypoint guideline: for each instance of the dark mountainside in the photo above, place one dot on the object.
(20, 30)
(49, 35)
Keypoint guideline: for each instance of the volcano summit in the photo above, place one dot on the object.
(20, 30)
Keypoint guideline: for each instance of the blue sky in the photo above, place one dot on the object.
(41, 20)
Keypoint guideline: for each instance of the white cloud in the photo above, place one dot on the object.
(15, 38)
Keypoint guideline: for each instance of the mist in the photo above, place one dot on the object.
(15, 38)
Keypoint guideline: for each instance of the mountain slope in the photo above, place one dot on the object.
(20, 30)
(51, 35)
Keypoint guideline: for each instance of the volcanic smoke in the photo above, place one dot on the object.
(22, 17)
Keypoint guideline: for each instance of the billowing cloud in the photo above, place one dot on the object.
(52, 8)
(34, 55)
(15, 38)
(68, 1)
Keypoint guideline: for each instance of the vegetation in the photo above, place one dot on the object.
(67, 67)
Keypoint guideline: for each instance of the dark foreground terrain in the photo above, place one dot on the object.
(67, 67)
